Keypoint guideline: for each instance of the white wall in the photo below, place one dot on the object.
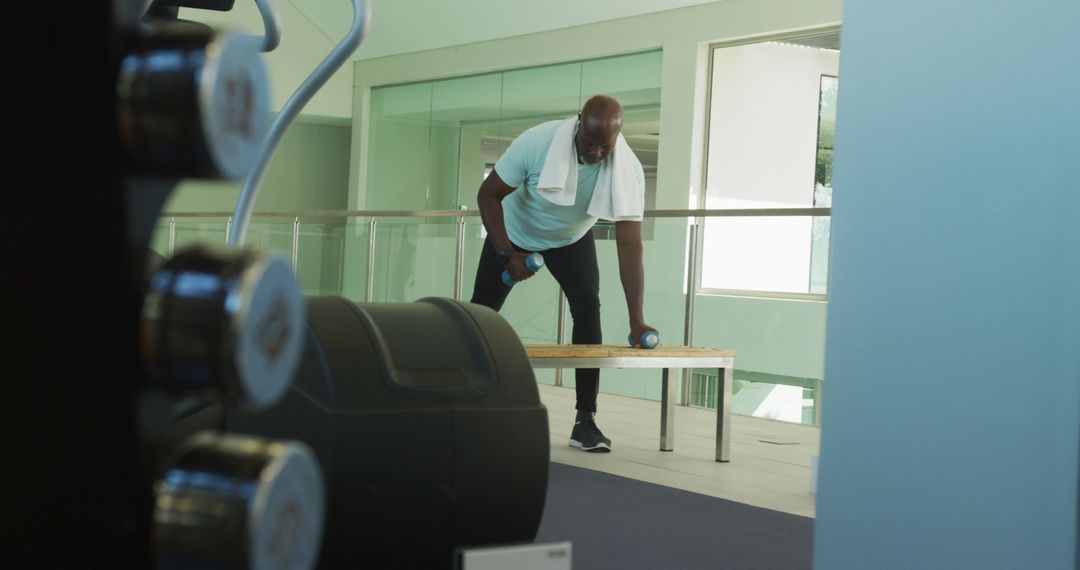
(303, 47)
(764, 124)
(951, 435)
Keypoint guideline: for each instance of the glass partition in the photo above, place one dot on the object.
(414, 258)
(321, 255)
(779, 341)
(356, 233)
(474, 236)
(159, 240)
(433, 142)
(272, 235)
(771, 128)
(209, 230)
(399, 175)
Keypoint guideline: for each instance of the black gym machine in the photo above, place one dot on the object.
(197, 411)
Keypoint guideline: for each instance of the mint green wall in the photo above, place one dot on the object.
(777, 337)
(401, 120)
(773, 336)
(309, 171)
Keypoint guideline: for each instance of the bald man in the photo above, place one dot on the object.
(520, 219)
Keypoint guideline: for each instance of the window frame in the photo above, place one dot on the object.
(703, 194)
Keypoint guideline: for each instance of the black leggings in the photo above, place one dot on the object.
(574, 268)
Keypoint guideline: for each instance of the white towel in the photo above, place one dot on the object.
(617, 196)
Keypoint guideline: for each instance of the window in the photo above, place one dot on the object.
(819, 241)
(770, 146)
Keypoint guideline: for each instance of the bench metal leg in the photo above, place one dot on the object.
(723, 414)
(667, 409)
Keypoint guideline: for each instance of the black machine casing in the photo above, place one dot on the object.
(428, 425)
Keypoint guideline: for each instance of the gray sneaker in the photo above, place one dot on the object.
(587, 437)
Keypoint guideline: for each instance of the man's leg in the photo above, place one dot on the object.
(488, 288)
(575, 268)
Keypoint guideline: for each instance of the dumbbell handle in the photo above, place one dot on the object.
(534, 262)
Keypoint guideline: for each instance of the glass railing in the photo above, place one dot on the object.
(384, 256)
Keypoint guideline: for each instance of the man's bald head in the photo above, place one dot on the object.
(601, 120)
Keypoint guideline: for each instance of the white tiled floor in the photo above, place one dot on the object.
(770, 460)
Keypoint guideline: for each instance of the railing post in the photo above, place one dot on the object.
(228, 229)
(560, 331)
(691, 290)
(295, 242)
(460, 257)
(818, 385)
(369, 290)
(172, 235)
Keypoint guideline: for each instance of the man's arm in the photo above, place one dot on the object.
(489, 199)
(632, 273)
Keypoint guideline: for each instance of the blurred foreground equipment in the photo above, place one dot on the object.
(427, 421)
(102, 135)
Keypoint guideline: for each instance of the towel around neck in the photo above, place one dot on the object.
(618, 195)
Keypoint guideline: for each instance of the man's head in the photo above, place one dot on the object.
(599, 124)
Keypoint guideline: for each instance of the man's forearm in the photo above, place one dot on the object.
(632, 273)
(491, 213)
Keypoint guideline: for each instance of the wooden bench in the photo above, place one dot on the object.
(671, 359)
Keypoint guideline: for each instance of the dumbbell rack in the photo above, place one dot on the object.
(92, 167)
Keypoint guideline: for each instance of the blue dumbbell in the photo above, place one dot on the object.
(649, 339)
(534, 261)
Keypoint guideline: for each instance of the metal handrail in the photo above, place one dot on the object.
(695, 217)
(703, 213)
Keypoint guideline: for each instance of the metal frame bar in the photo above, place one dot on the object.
(643, 361)
(763, 294)
(460, 257)
(667, 410)
(725, 378)
(694, 213)
(691, 295)
(172, 236)
(369, 289)
(296, 242)
(819, 384)
(560, 332)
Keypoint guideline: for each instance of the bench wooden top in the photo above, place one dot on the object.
(620, 356)
(608, 350)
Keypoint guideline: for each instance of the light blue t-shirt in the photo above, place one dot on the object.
(532, 222)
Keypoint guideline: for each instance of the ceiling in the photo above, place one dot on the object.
(403, 26)
(830, 40)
